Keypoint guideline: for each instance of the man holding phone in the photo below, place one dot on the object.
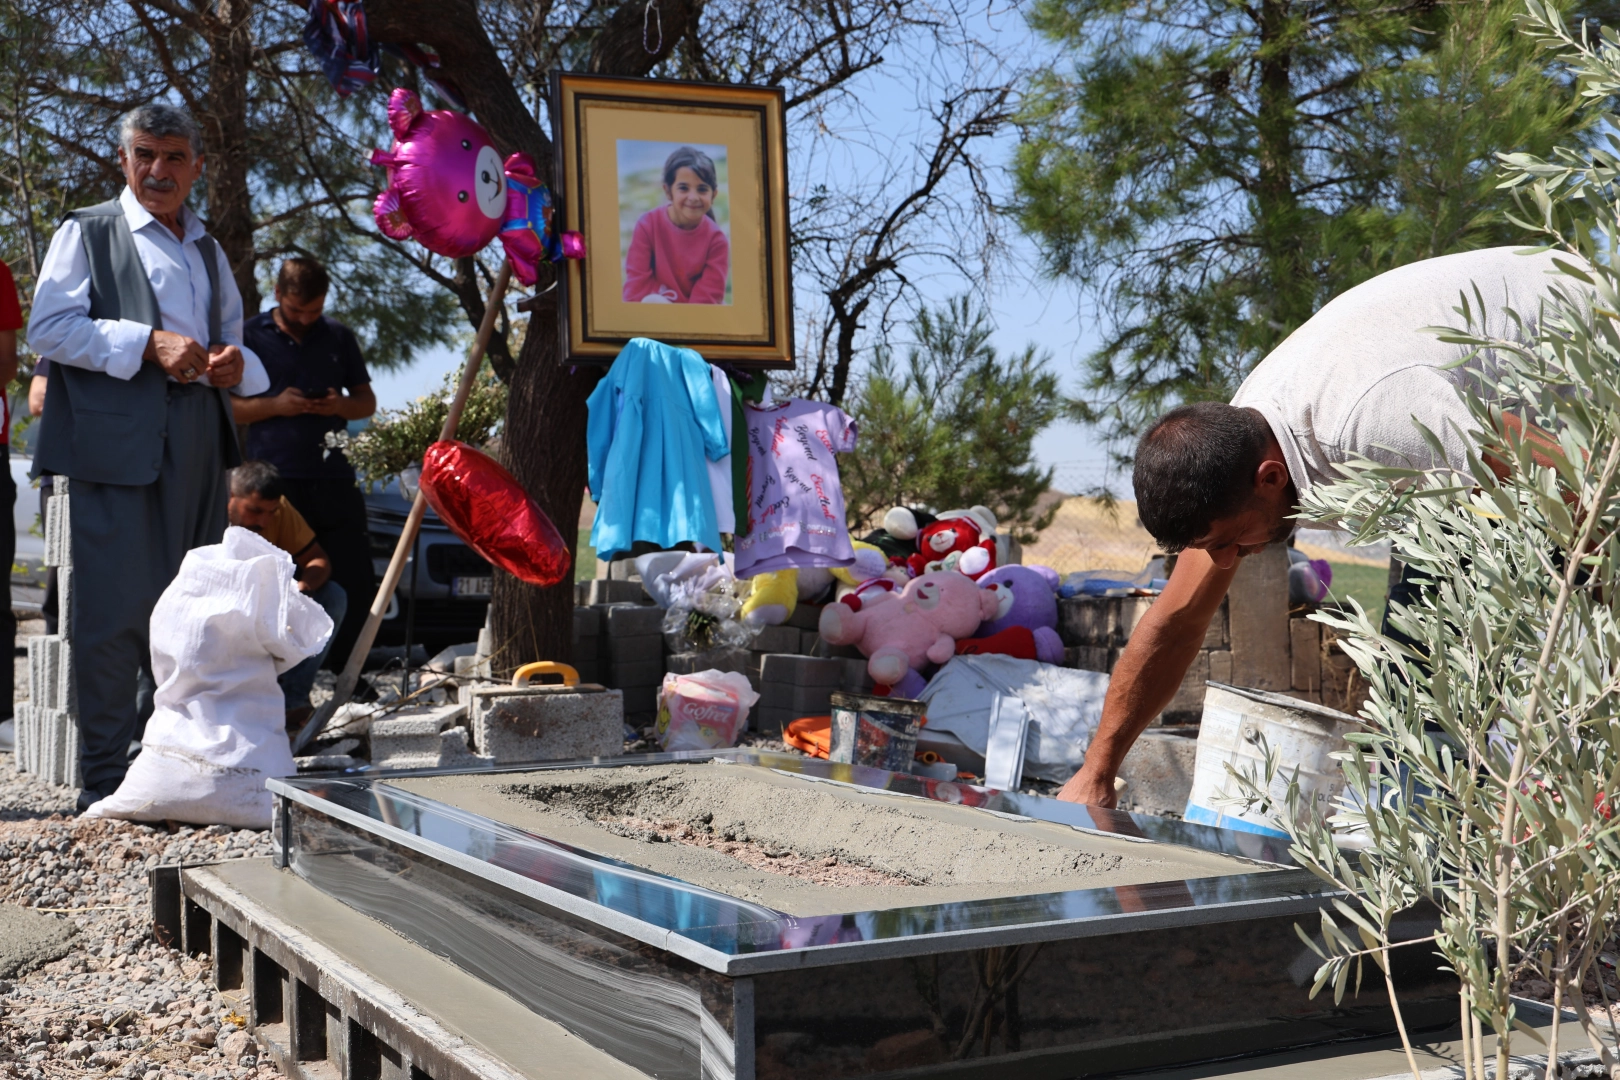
(318, 383)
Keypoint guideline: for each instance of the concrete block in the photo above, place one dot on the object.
(777, 639)
(1131, 610)
(624, 676)
(644, 649)
(1305, 654)
(640, 699)
(450, 751)
(1088, 620)
(856, 678)
(416, 735)
(772, 721)
(1090, 657)
(825, 651)
(515, 724)
(714, 660)
(803, 700)
(602, 591)
(587, 622)
(1188, 704)
(802, 671)
(1216, 637)
(1158, 772)
(633, 620)
(1258, 612)
(1220, 666)
(806, 617)
(623, 568)
(809, 642)
(59, 528)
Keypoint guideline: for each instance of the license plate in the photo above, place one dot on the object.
(471, 586)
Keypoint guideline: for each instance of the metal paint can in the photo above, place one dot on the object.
(880, 732)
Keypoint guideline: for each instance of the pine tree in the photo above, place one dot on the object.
(1211, 173)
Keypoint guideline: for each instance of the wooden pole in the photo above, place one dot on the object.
(413, 524)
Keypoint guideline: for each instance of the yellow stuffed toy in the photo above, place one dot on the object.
(771, 602)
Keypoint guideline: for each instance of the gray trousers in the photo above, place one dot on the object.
(128, 542)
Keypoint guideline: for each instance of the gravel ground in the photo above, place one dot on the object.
(117, 1004)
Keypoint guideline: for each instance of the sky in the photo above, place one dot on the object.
(1025, 307)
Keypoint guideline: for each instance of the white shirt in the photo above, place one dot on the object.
(60, 327)
(1358, 377)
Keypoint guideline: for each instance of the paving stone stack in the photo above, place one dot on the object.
(47, 729)
(425, 737)
(634, 638)
(588, 644)
(602, 591)
(792, 686)
(513, 724)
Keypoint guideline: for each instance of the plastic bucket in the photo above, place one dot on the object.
(880, 732)
(1236, 723)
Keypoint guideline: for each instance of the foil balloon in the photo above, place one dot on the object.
(493, 515)
(446, 188)
(529, 232)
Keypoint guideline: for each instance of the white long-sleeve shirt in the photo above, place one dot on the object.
(61, 329)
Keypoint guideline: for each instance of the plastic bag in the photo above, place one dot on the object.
(230, 622)
(490, 511)
(703, 711)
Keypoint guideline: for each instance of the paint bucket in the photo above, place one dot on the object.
(1238, 726)
(877, 731)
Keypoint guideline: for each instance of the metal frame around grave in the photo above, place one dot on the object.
(683, 981)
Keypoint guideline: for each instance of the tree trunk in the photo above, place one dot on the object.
(225, 138)
(544, 440)
(1276, 202)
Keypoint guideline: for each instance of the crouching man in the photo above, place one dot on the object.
(258, 503)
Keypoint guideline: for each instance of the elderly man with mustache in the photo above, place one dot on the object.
(140, 317)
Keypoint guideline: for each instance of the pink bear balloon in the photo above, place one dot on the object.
(446, 187)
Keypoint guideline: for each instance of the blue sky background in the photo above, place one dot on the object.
(876, 132)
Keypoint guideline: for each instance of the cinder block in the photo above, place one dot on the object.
(1158, 772)
(856, 678)
(809, 642)
(644, 649)
(1258, 612)
(515, 724)
(1090, 658)
(1305, 654)
(801, 671)
(714, 660)
(772, 721)
(413, 738)
(803, 700)
(806, 617)
(640, 699)
(1188, 704)
(1216, 636)
(59, 528)
(587, 622)
(1220, 667)
(625, 676)
(623, 568)
(825, 651)
(634, 620)
(448, 750)
(1131, 610)
(777, 639)
(1088, 620)
(602, 591)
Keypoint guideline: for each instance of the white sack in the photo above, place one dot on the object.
(1063, 705)
(231, 621)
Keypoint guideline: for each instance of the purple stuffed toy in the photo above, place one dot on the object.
(1028, 599)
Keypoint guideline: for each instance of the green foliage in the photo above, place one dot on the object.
(1212, 173)
(953, 427)
(397, 438)
(1485, 777)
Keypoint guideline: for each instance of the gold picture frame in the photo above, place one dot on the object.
(680, 192)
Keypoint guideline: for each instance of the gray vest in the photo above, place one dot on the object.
(99, 428)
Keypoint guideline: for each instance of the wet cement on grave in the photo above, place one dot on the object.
(722, 825)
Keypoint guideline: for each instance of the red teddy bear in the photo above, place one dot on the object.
(961, 540)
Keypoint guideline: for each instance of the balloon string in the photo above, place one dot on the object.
(651, 12)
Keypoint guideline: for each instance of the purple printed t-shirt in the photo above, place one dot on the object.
(795, 502)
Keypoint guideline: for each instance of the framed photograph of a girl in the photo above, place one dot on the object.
(680, 191)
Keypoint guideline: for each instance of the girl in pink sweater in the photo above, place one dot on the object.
(678, 255)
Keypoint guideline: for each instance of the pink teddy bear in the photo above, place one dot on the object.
(901, 632)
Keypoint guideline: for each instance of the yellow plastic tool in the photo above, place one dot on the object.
(522, 675)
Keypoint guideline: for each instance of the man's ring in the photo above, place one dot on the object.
(190, 373)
